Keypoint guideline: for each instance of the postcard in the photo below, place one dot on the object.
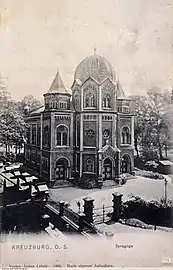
(86, 134)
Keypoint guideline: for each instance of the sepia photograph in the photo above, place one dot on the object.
(86, 134)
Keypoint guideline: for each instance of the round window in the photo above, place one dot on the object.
(90, 133)
(106, 134)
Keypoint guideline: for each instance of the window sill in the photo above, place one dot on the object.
(62, 146)
(90, 173)
(93, 147)
(125, 144)
(90, 108)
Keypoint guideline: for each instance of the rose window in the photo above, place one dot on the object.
(90, 133)
(106, 134)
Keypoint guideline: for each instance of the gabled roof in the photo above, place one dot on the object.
(37, 111)
(166, 162)
(110, 148)
(57, 85)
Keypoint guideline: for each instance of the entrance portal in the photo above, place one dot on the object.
(61, 170)
(107, 169)
(125, 164)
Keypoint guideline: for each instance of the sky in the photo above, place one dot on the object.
(39, 37)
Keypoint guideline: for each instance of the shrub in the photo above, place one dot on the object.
(153, 212)
(150, 174)
(123, 180)
(149, 154)
(88, 184)
(151, 165)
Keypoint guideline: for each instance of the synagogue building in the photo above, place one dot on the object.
(85, 134)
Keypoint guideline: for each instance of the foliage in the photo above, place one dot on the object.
(152, 129)
(12, 125)
(137, 223)
(87, 183)
(30, 102)
(149, 174)
(152, 212)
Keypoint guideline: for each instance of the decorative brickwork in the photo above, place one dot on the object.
(86, 137)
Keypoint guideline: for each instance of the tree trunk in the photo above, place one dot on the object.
(16, 148)
(136, 147)
(166, 151)
(160, 152)
(6, 148)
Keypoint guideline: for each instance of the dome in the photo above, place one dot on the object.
(96, 67)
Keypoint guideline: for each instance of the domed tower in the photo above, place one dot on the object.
(94, 101)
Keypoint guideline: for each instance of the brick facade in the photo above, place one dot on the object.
(86, 135)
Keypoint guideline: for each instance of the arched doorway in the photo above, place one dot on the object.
(61, 169)
(125, 164)
(107, 169)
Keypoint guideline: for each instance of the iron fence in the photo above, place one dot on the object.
(102, 214)
(74, 217)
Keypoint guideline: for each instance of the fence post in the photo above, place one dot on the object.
(88, 209)
(81, 221)
(103, 213)
(45, 220)
(61, 208)
(117, 206)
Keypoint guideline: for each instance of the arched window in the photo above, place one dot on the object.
(76, 102)
(54, 105)
(61, 135)
(63, 105)
(46, 135)
(28, 134)
(90, 100)
(125, 164)
(106, 136)
(107, 101)
(125, 135)
(89, 165)
(34, 135)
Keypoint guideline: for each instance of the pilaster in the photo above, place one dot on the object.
(100, 131)
(82, 98)
(41, 142)
(114, 129)
(100, 119)
(81, 142)
(71, 132)
(132, 131)
(100, 98)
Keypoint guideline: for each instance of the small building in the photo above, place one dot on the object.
(165, 167)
